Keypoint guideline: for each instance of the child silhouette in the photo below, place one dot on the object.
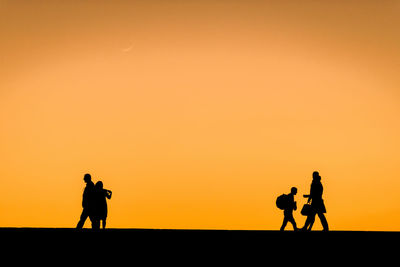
(288, 211)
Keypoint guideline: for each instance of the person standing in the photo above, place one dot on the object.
(87, 202)
(317, 204)
(100, 205)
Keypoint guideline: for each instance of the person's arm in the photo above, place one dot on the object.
(108, 194)
(84, 198)
(312, 192)
(309, 196)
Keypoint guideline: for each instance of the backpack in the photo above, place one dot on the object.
(282, 201)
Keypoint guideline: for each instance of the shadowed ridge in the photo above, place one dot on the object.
(188, 246)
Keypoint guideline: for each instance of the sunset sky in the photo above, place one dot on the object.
(198, 114)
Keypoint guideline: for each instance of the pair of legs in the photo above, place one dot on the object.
(85, 214)
(96, 223)
(311, 219)
(288, 218)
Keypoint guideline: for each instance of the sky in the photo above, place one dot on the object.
(198, 114)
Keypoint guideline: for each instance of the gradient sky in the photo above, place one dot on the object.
(198, 114)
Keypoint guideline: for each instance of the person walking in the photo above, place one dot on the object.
(87, 202)
(317, 204)
(288, 211)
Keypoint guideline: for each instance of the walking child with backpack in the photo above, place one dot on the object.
(287, 204)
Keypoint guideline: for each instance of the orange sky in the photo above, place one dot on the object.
(198, 114)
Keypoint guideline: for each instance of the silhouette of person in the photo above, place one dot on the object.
(100, 205)
(317, 204)
(288, 211)
(87, 202)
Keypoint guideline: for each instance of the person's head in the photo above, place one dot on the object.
(87, 178)
(99, 185)
(293, 190)
(316, 176)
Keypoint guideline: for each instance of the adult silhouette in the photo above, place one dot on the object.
(100, 205)
(317, 204)
(87, 201)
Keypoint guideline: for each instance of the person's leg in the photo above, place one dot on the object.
(312, 220)
(304, 228)
(293, 222)
(309, 222)
(82, 219)
(96, 224)
(95, 221)
(104, 223)
(324, 222)
(285, 220)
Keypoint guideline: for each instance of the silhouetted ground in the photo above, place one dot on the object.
(192, 247)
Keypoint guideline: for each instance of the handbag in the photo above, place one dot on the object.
(306, 210)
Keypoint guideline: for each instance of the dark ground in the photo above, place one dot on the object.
(193, 247)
